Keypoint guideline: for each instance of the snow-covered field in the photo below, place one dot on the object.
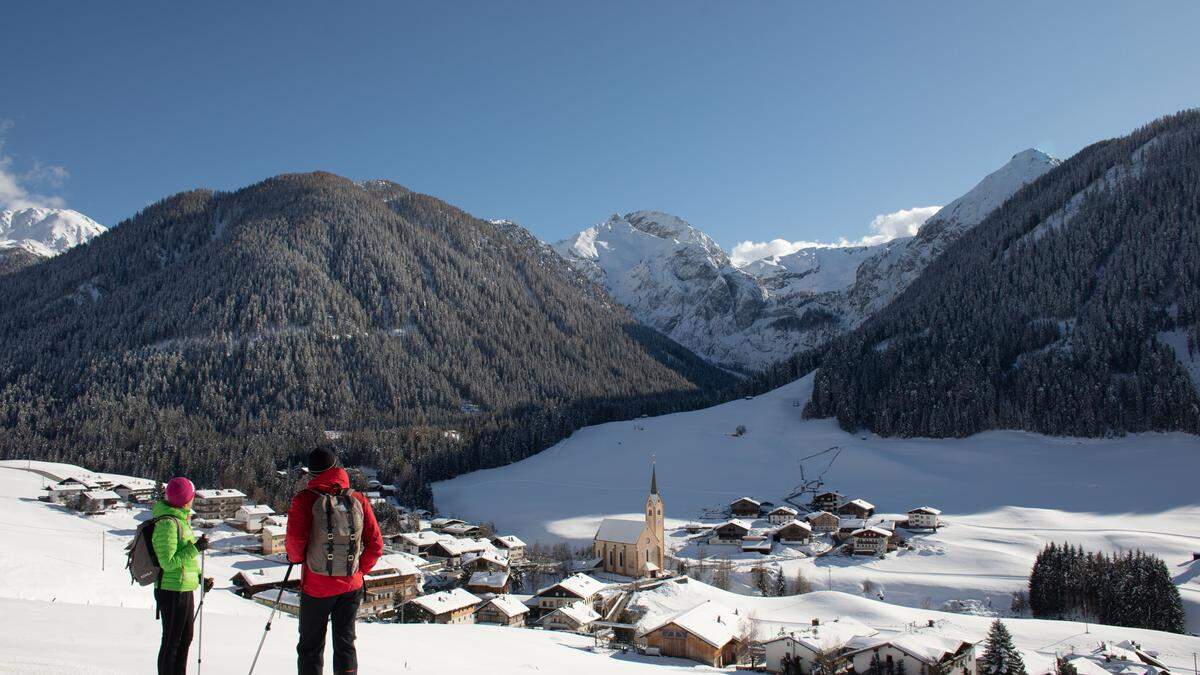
(1004, 494)
(61, 613)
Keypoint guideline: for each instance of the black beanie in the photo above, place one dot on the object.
(321, 459)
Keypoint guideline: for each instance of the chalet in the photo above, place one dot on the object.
(745, 507)
(462, 530)
(453, 606)
(918, 653)
(273, 538)
(870, 541)
(68, 495)
(134, 491)
(89, 481)
(781, 515)
(707, 633)
(98, 501)
(694, 527)
(252, 582)
(568, 591)
(794, 532)
(857, 508)
(924, 517)
(288, 601)
(504, 610)
(807, 644)
(577, 616)
(390, 584)
(439, 524)
(511, 545)
(848, 526)
(730, 532)
(822, 522)
(756, 543)
(634, 548)
(828, 501)
(217, 504)
(450, 552)
(250, 517)
(488, 582)
(417, 543)
(484, 561)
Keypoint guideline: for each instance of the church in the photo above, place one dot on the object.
(634, 548)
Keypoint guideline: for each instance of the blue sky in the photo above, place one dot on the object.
(752, 120)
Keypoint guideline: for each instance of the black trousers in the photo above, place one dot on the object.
(315, 615)
(176, 610)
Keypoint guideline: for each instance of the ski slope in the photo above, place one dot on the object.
(1003, 494)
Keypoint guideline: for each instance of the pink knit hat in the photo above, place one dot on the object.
(179, 491)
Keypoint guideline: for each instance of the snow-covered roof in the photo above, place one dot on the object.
(459, 528)
(489, 579)
(746, 499)
(860, 503)
(423, 538)
(256, 510)
(620, 530)
(219, 493)
(508, 541)
(494, 557)
(509, 605)
(829, 635)
(274, 530)
(442, 522)
(738, 522)
(926, 509)
(796, 523)
(580, 584)
(271, 574)
(710, 621)
(400, 563)
(783, 509)
(286, 599)
(817, 514)
(447, 601)
(883, 532)
(460, 546)
(580, 612)
(851, 523)
(101, 494)
(69, 487)
(930, 649)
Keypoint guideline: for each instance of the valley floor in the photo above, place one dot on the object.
(1004, 494)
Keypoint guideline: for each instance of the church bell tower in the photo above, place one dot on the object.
(654, 518)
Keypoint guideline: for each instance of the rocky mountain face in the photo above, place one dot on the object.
(46, 232)
(1073, 308)
(676, 279)
(215, 333)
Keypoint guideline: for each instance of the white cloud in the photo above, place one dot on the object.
(884, 227)
(17, 189)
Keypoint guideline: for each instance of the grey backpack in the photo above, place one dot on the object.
(335, 537)
(141, 560)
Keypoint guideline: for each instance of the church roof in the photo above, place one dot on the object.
(620, 530)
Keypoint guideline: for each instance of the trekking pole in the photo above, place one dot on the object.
(200, 612)
(278, 599)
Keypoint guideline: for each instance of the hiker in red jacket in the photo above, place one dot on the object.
(333, 535)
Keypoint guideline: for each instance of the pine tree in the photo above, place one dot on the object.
(1000, 656)
(780, 588)
(1064, 667)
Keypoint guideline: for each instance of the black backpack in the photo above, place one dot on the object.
(141, 560)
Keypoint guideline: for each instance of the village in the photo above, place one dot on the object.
(444, 570)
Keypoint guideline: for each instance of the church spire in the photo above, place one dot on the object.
(653, 477)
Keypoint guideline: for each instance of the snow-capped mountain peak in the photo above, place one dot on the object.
(46, 232)
(970, 209)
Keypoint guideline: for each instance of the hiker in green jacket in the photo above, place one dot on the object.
(178, 551)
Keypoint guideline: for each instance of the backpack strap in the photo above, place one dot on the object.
(348, 501)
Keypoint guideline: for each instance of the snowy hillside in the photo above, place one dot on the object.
(676, 279)
(1004, 494)
(46, 232)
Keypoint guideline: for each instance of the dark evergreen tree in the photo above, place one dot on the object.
(1000, 655)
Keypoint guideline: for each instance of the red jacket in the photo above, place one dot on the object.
(300, 522)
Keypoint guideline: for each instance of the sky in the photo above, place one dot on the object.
(759, 121)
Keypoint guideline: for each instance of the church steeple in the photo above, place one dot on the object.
(653, 479)
(654, 519)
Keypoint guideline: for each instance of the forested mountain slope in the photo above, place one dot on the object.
(215, 333)
(1072, 309)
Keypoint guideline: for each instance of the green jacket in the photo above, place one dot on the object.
(177, 556)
